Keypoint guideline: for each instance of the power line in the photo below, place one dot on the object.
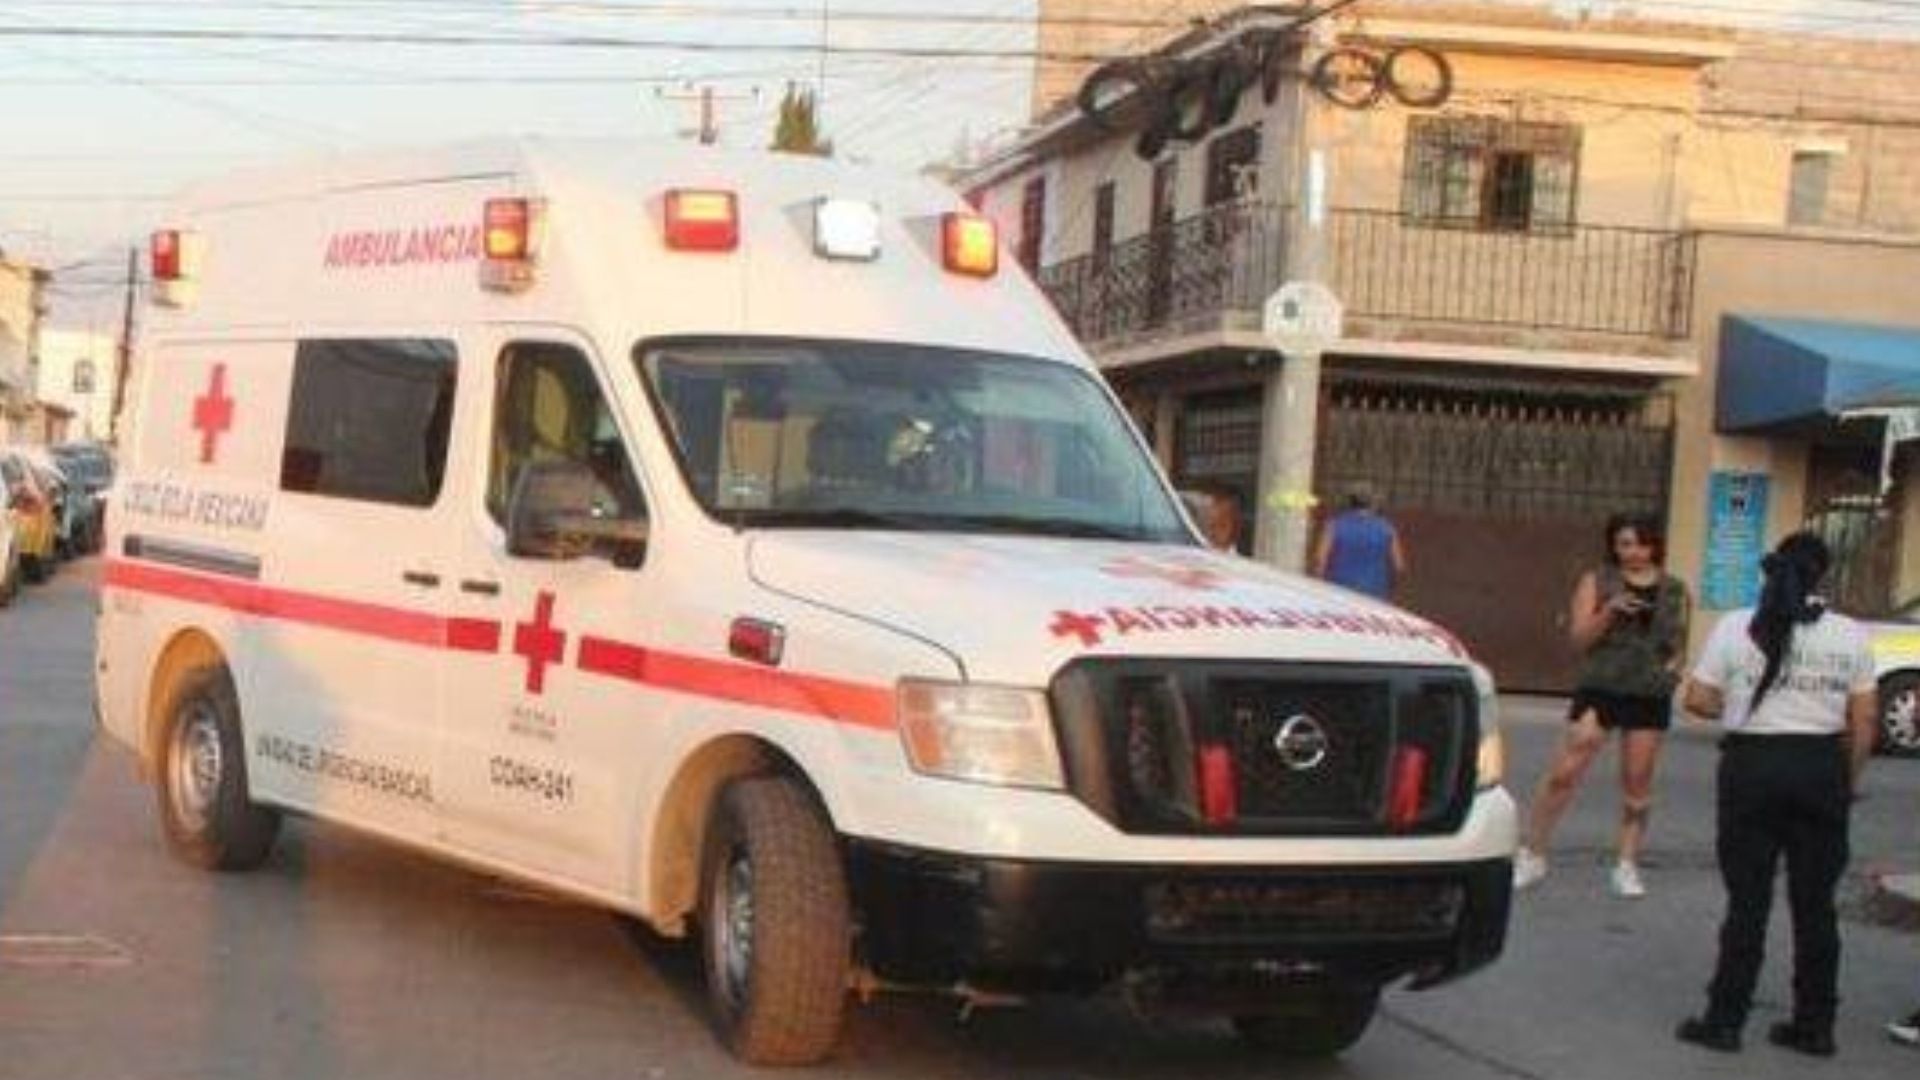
(668, 11)
(72, 32)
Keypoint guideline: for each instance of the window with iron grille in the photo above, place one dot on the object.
(1487, 173)
(1033, 222)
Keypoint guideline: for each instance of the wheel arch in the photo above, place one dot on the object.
(184, 651)
(676, 830)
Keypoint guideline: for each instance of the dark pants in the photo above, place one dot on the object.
(1781, 795)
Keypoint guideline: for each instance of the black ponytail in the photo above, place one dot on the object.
(1793, 571)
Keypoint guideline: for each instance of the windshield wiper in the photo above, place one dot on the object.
(835, 517)
(1015, 523)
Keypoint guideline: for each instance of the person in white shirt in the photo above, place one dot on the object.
(1792, 684)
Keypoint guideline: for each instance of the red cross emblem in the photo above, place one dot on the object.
(540, 643)
(1074, 624)
(213, 413)
(1186, 576)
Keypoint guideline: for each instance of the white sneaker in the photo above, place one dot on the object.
(1905, 1031)
(1626, 882)
(1528, 870)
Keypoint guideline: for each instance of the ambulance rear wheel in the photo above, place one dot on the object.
(774, 923)
(209, 819)
(1325, 1023)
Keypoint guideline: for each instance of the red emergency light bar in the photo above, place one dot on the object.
(702, 220)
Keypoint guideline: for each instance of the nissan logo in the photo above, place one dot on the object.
(1301, 743)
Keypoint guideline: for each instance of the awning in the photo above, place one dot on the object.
(1786, 373)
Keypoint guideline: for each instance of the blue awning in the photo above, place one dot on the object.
(1777, 373)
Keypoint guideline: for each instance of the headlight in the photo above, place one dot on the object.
(1492, 762)
(985, 734)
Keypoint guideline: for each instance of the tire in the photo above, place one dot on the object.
(775, 932)
(1350, 78)
(35, 569)
(1325, 1023)
(1900, 715)
(1113, 71)
(209, 819)
(1430, 97)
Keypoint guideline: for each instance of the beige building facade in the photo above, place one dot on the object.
(1535, 274)
(78, 369)
(22, 304)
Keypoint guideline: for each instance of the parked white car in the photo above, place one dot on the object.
(1896, 655)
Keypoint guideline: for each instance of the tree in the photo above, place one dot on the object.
(798, 129)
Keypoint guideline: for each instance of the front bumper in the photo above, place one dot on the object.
(1189, 930)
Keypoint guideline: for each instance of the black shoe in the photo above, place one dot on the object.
(1721, 1037)
(1803, 1039)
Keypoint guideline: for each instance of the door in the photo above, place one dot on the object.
(1166, 175)
(342, 686)
(539, 761)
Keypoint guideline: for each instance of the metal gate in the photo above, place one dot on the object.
(1501, 492)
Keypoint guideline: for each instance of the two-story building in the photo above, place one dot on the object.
(22, 303)
(1525, 349)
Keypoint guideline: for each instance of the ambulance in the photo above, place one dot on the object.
(740, 542)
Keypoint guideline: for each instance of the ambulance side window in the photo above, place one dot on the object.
(549, 407)
(369, 420)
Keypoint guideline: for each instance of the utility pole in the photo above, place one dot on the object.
(125, 349)
(1302, 319)
(709, 130)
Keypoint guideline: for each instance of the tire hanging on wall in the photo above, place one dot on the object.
(1416, 96)
(1350, 78)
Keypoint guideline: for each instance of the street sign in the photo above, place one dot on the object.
(1302, 317)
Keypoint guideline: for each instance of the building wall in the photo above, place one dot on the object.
(1074, 27)
(61, 351)
(1778, 273)
(19, 331)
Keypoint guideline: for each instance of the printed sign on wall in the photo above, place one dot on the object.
(1736, 539)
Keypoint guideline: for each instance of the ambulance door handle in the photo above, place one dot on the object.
(480, 588)
(421, 578)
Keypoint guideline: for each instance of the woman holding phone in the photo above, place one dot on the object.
(1628, 619)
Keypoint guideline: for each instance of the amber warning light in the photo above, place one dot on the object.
(512, 230)
(702, 220)
(969, 245)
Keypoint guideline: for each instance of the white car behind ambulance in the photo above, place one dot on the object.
(730, 540)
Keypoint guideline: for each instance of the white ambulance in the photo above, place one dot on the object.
(737, 541)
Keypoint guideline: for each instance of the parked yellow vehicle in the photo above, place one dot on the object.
(36, 532)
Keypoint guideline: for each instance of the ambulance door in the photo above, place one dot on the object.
(538, 759)
(348, 640)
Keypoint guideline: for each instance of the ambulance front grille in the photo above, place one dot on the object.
(1162, 747)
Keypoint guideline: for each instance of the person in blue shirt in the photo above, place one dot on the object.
(1359, 548)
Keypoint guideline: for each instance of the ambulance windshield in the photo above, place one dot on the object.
(872, 435)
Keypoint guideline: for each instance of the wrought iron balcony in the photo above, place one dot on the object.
(1586, 279)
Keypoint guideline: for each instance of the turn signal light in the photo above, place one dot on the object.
(702, 220)
(757, 640)
(969, 244)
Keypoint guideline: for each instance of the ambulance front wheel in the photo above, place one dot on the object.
(774, 923)
(209, 819)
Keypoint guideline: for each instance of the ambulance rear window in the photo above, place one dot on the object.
(369, 420)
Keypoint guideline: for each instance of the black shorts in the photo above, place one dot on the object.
(1623, 712)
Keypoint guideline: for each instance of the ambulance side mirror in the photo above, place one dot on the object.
(558, 510)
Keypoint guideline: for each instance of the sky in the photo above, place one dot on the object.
(99, 131)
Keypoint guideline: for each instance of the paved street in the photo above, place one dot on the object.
(344, 958)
